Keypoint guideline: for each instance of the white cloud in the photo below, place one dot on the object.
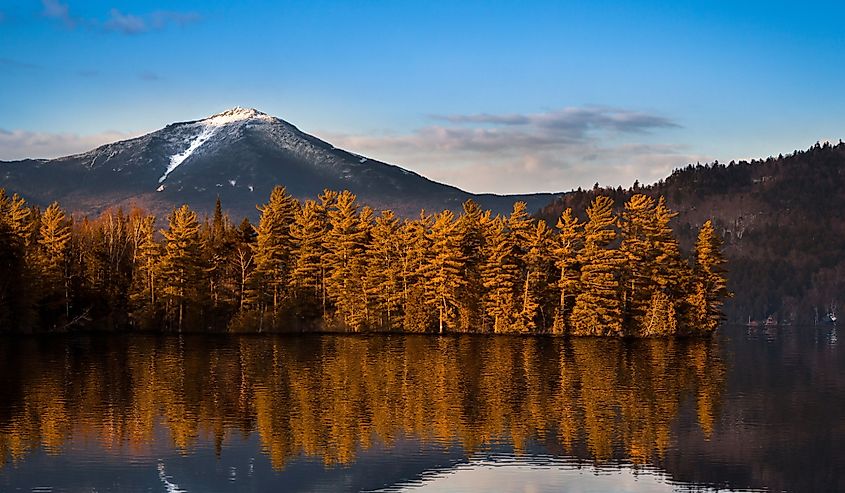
(522, 153)
(58, 10)
(21, 144)
(137, 24)
(118, 21)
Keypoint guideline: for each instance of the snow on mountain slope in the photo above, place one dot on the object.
(238, 155)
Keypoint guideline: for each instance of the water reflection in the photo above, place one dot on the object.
(332, 397)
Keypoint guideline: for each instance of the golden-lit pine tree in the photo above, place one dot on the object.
(534, 297)
(308, 275)
(344, 245)
(415, 244)
(384, 271)
(441, 273)
(272, 256)
(181, 265)
(521, 230)
(672, 273)
(640, 251)
(218, 246)
(500, 274)
(567, 250)
(17, 283)
(598, 307)
(19, 217)
(143, 294)
(54, 236)
(710, 287)
(470, 230)
(367, 294)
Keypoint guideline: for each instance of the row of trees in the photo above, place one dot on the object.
(332, 264)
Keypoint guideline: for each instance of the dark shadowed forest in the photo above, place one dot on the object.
(782, 219)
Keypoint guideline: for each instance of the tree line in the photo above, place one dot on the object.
(331, 264)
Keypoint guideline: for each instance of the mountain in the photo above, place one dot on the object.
(238, 155)
(783, 220)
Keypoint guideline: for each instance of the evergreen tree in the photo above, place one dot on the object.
(384, 271)
(535, 297)
(272, 256)
(709, 281)
(654, 273)
(598, 307)
(441, 272)
(567, 250)
(470, 230)
(54, 235)
(308, 275)
(181, 265)
(145, 280)
(343, 245)
(500, 274)
(415, 244)
(13, 270)
(218, 240)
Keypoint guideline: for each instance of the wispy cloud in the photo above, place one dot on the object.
(519, 153)
(119, 21)
(17, 64)
(55, 9)
(149, 76)
(21, 144)
(137, 24)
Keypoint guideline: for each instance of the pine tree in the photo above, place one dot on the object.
(218, 246)
(500, 274)
(598, 307)
(308, 275)
(709, 282)
(638, 247)
(181, 265)
(415, 244)
(470, 230)
(384, 271)
(143, 295)
(343, 245)
(272, 256)
(13, 273)
(54, 237)
(441, 273)
(537, 263)
(653, 263)
(567, 250)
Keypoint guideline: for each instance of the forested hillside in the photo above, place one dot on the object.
(783, 221)
(330, 264)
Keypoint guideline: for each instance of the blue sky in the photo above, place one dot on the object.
(498, 96)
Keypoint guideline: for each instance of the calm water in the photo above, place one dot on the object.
(745, 411)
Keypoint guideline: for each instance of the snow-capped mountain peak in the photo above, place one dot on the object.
(238, 155)
(236, 114)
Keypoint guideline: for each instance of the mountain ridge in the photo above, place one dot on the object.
(237, 155)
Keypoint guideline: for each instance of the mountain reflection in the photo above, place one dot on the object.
(334, 396)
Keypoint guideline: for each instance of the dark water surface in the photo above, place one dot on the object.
(748, 410)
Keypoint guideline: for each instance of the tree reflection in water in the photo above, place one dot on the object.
(333, 396)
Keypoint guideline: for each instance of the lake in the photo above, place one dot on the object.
(750, 409)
